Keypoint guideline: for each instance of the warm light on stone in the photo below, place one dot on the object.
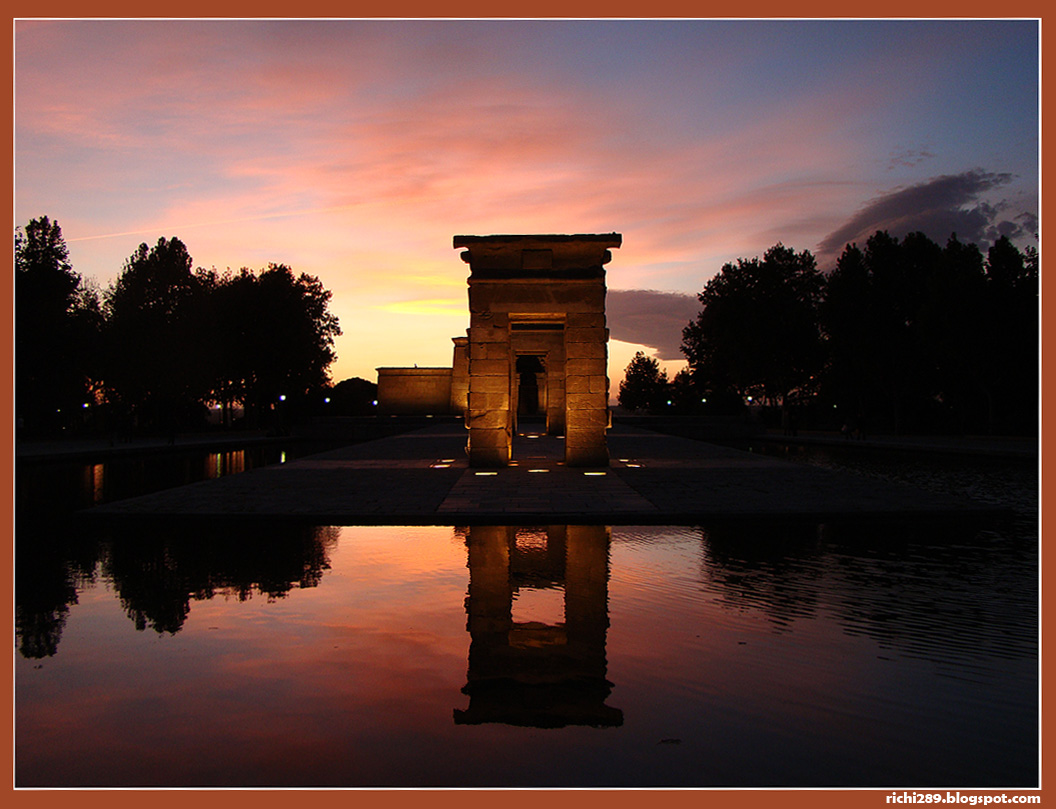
(537, 342)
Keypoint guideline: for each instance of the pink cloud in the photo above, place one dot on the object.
(355, 151)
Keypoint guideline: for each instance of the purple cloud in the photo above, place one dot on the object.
(938, 208)
(651, 318)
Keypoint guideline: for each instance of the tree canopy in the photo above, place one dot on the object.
(270, 334)
(758, 333)
(167, 339)
(644, 385)
(57, 324)
(900, 335)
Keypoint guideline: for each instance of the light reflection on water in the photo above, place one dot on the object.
(739, 654)
(60, 486)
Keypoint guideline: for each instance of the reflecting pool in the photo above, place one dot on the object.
(741, 654)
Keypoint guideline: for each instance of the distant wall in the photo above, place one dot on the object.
(414, 391)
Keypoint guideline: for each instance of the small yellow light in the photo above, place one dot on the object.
(594, 473)
(485, 473)
(538, 470)
(440, 465)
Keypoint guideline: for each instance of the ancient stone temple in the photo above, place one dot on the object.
(537, 343)
(536, 349)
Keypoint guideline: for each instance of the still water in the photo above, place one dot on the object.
(252, 654)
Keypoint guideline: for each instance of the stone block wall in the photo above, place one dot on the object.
(460, 375)
(489, 416)
(542, 296)
(414, 391)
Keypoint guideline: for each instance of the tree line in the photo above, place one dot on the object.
(164, 342)
(901, 336)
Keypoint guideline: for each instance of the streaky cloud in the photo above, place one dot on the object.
(652, 318)
(938, 207)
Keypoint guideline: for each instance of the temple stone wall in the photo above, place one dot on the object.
(414, 391)
(541, 296)
(460, 375)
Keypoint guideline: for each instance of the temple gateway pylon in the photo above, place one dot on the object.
(537, 343)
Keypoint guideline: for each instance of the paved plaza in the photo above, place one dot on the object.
(423, 477)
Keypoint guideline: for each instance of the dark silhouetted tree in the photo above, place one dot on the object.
(879, 370)
(295, 341)
(957, 338)
(57, 323)
(273, 337)
(1013, 324)
(353, 397)
(757, 333)
(152, 329)
(925, 338)
(228, 316)
(644, 385)
(847, 314)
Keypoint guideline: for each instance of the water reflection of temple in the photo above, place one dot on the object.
(529, 672)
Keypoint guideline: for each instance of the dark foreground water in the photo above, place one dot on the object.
(726, 655)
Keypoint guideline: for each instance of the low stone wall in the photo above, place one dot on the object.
(414, 391)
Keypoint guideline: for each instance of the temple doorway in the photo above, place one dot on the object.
(531, 389)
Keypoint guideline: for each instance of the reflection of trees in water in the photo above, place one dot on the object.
(948, 593)
(51, 563)
(942, 591)
(157, 571)
(770, 567)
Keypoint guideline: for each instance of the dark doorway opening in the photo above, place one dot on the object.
(531, 387)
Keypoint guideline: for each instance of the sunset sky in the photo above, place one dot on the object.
(355, 150)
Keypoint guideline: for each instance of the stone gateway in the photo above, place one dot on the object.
(538, 342)
(536, 349)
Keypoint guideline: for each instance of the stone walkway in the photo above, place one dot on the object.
(422, 477)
